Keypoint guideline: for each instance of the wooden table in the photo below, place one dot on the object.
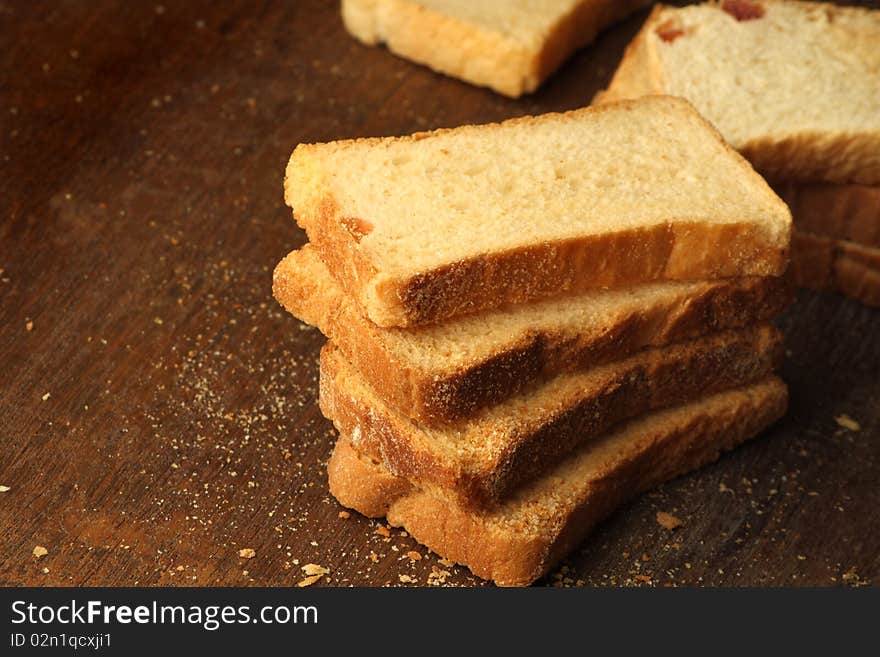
(157, 407)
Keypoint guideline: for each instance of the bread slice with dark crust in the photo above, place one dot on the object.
(446, 372)
(823, 263)
(517, 541)
(480, 461)
(422, 228)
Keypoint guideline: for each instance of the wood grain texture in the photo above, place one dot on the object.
(157, 407)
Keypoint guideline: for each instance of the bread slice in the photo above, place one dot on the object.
(791, 85)
(823, 263)
(517, 541)
(509, 46)
(446, 372)
(419, 229)
(482, 460)
(841, 212)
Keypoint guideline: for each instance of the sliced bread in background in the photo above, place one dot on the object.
(422, 228)
(794, 86)
(482, 460)
(824, 263)
(510, 46)
(445, 372)
(841, 212)
(519, 540)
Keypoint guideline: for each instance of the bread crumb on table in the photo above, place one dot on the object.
(314, 569)
(847, 422)
(345, 515)
(313, 573)
(247, 553)
(668, 521)
(437, 576)
(40, 551)
(4, 489)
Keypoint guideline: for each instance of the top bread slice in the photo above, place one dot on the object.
(794, 86)
(444, 372)
(510, 46)
(422, 228)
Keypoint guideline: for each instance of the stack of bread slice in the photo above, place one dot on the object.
(531, 321)
(795, 87)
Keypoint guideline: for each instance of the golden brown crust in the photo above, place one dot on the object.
(817, 157)
(649, 452)
(675, 251)
(822, 263)
(654, 378)
(843, 212)
(475, 53)
(439, 395)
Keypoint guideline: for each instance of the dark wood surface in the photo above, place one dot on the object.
(157, 407)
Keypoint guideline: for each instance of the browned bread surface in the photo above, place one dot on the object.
(842, 212)
(517, 541)
(445, 372)
(481, 460)
(823, 263)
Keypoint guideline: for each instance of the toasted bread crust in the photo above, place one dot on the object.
(474, 53)
(517, 556)
(438, 395)
(823, 263)
(638, 73)
(678, 251)
(817, 157)
(652, 379)
(841, 212)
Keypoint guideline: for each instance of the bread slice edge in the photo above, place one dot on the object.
(481, 461)
(441, 393)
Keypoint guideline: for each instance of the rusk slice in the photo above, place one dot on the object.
(516, 542)
(422, 228)
(508, 45)
(841, 212)
(445, 372)
(794, 86)
(822, 263)
(480, 461)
